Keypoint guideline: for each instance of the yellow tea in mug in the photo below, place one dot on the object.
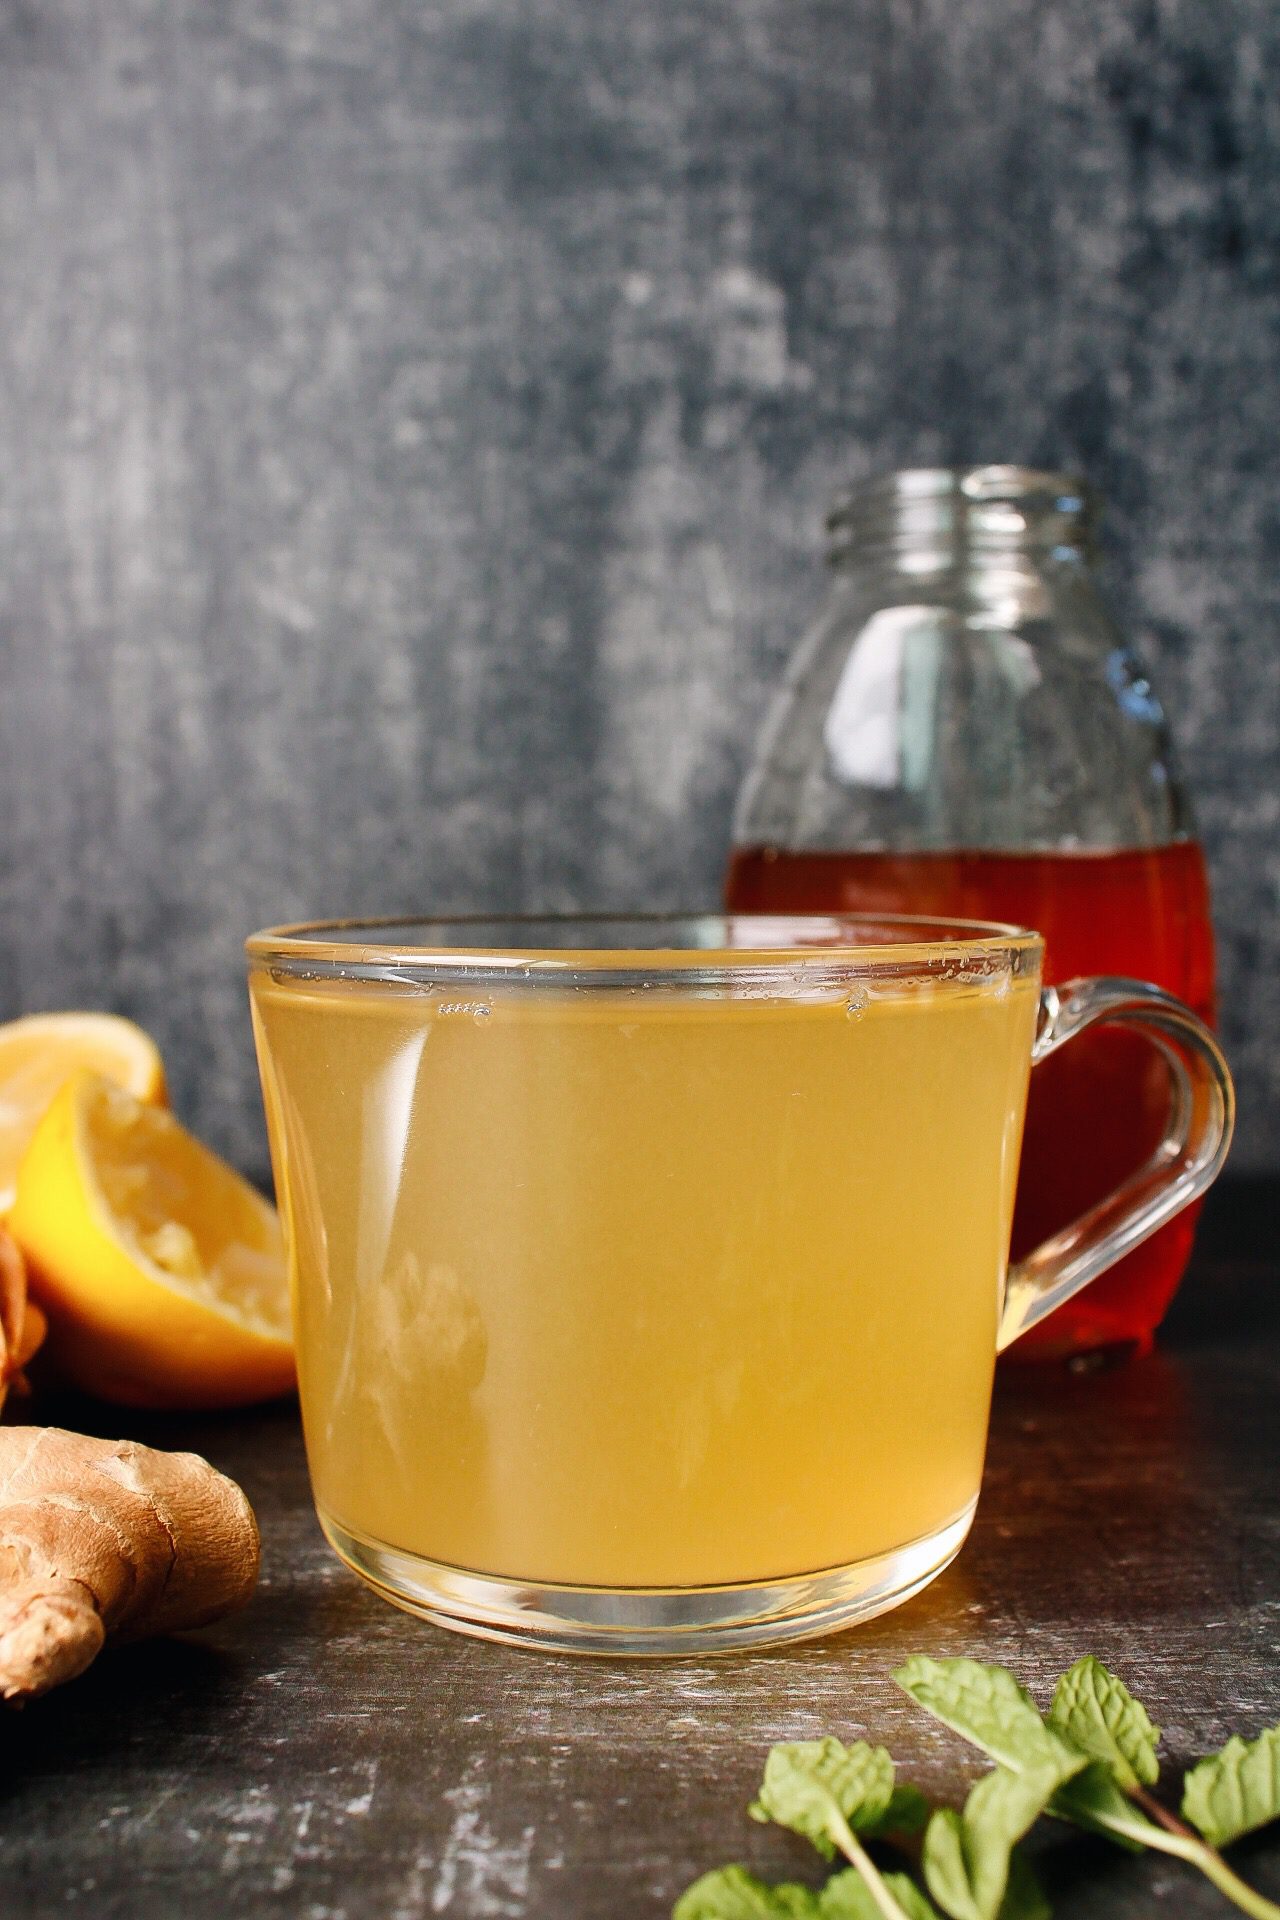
(645, 1289)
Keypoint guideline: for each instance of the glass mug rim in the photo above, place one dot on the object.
(687, 949)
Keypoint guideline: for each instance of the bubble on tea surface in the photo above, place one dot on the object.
(857, 1003)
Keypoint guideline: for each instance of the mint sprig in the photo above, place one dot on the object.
(830, 1794)
(1092, 1760)
(1235, 1791)
(848, 1897)
(803, 1779)
(1110, 1730)
(988, 1707)
(968, 1857)
(992, 1709)
(731, 1893)
(825, 1791)
(1097, 1714)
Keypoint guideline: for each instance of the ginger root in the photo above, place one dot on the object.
(22, 1325)
(106, 1539)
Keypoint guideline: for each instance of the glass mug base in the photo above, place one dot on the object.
(658, 1622)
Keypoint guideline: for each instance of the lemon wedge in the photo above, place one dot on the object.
(39, 1053)
(162, 1272)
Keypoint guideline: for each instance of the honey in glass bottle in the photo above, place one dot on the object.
(965, 733)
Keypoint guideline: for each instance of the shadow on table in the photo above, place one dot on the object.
(1100, 1496)
(112, 1712)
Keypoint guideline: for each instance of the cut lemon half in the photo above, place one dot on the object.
(40, 1053)
(161, 1271)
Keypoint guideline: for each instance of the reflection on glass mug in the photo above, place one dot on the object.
(649, 1274)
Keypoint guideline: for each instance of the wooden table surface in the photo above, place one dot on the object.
(327, 1757)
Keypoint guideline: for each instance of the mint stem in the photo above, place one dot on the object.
(1198, 1853)
(1157, 1811)
(1215, 1868)
(857, 1856)
(1173, 1837)
(1180, 1841)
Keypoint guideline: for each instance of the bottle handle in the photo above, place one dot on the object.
(1183, 1166)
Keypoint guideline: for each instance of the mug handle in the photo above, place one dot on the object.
(1183, 1166)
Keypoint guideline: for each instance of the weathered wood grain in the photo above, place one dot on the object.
(327, 1757)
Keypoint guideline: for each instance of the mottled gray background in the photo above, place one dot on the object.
(416, 417)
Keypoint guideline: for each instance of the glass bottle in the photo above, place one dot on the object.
(964, 731)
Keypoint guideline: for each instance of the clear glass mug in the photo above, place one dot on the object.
(649, 1274)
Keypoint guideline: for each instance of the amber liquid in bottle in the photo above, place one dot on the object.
(1096, 1110)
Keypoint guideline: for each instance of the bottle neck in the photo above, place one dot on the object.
(924, 522)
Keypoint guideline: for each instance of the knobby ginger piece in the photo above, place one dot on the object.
(105, 1539)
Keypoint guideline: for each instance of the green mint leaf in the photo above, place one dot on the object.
(847, 1896)
(909, 1897)
(1092, 1800)
(946, 1870)
(987, 1706)
(1096, 1712)
(907, 1813)
(967, 1856)
(731, 1893)
(1234, 1791)
(1024, 1896)
(820, 1788)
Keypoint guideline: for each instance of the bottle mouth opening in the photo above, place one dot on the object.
(950, 509)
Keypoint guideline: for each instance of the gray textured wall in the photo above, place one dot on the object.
(415, 419)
